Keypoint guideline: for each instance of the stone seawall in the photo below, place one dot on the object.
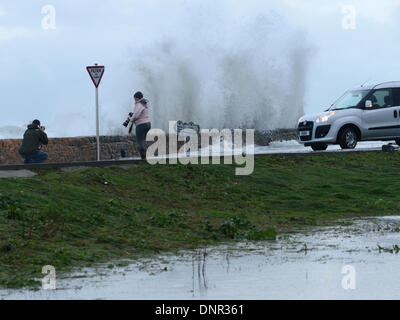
(264, 138)
(84, 148)
(73, 149)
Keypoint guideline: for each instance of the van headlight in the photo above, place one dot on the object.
(325, 117)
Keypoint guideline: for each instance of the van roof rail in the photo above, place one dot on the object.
(384, 84)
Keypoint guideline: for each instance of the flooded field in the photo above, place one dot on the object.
(357, 261)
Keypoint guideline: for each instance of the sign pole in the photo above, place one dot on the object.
(96, 73)
(97, 124)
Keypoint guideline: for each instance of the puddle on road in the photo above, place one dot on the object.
(298, 266)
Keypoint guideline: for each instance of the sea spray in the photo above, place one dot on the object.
(11, 132)
(244, 73)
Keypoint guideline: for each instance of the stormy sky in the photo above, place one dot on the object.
(43, 58)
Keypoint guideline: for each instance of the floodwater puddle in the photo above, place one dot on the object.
(357, 261)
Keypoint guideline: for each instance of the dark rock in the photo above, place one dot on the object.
(7, 247)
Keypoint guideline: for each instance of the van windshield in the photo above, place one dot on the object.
(349, 99)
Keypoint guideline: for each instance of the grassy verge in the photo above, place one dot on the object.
(96, 215)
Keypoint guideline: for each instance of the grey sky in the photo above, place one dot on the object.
(42, 72)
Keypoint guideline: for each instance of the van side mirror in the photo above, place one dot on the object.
(368, 104)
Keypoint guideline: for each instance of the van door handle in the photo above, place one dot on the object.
(395, 113)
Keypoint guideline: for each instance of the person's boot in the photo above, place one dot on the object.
(142, 154)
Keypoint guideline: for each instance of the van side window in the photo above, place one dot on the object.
(382, 98)
(396, 97)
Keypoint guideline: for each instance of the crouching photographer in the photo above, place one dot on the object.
(34, 138)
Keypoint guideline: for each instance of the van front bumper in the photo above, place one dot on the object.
(310, 133)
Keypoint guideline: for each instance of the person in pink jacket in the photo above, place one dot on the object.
(141, 119)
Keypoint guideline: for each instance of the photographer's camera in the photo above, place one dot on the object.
(126, 123)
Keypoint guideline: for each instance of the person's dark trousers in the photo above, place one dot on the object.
(37, 157)
(141, 132)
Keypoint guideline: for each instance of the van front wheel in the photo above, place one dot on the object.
(348, 138)
(319, 147)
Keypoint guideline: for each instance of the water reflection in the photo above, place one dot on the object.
(199, 259)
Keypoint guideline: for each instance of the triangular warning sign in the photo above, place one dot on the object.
(96, 73)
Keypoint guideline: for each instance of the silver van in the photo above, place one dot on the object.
(365, 113)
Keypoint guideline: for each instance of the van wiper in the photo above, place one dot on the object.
(329, 108)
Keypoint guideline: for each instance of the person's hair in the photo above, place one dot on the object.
(36, 122)
(138, 95)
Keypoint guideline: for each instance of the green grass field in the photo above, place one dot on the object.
(97, 215)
